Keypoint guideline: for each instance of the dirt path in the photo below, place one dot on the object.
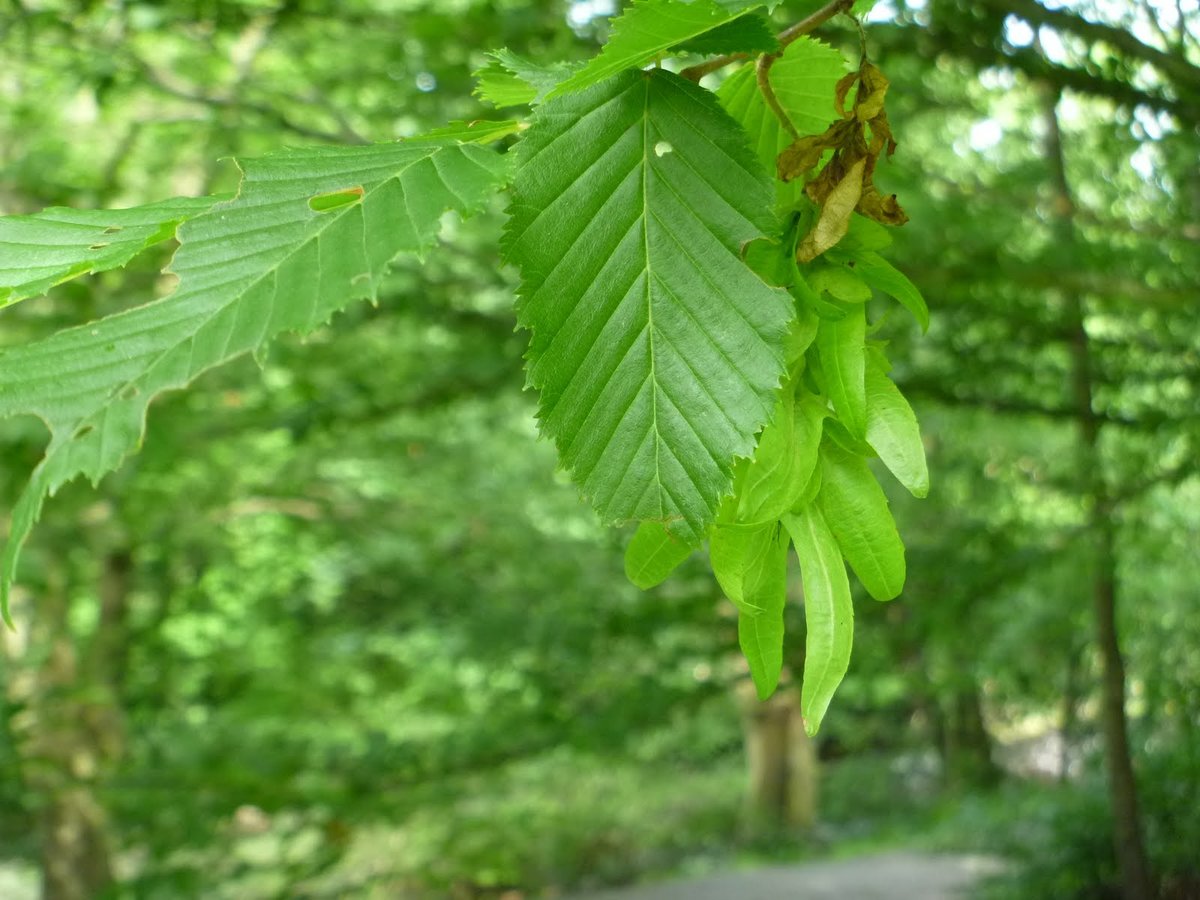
(889, 876)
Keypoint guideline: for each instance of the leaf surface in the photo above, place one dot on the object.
(784, 461)
(750, 563)
(882, 275)
(745, 34)
(656, 350)
(892, 431)
(840, 345)
(856, 510)
(510, 79)
(828, 613)
(249, 269)
(55, 245)
(653, 554)
(646, 29)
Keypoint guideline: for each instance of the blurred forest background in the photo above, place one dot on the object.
(340, 630)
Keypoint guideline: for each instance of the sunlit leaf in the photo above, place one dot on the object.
(656, 350)
(55, 245)
(828, 613)
(510, 79)
(840, 348)
(856, 510)
(646, 29)
(653, 554)
(750, 563)
(249, 269)
(892, 431)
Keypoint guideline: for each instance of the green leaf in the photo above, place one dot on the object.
(738, 555)
(840, 349)
(881, 274)
(657, 351)
(784, 461)
(249, 269)
(745, 34)
(812, 303)
(857, 512)
(55, 245)
(864, 234)
(645, 30)
(828, 613)
(750, 562)
(510, 79)
(804, 79)
(653, 554)
(839, 281)
(892, 431)
(800, 337)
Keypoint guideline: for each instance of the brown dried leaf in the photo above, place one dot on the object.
(801, 157)
(835, 214)
(871, 93)
(882, 209)
(840, 91)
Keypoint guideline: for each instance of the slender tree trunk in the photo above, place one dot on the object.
(1136, 883)
(1070, 715)
(781, 762)
(967, 747)
(69, 731)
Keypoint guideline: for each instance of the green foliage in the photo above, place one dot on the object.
(857, 512)
(41, 251)
(828, 612)
(653, 554)
(510, 79)
(750, 563)
(293, 267)
(803, 79)
(655, 349)
(693, 376)
(650, 28)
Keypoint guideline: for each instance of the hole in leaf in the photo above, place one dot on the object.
(662, 148)
(112, 229)
(97, 246)
(335, 199)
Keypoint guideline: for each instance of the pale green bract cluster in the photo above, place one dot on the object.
(691, 375)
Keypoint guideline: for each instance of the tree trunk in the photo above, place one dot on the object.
(781, 761)
(966, 745)
(69, 730)
(1136, 883)
(1070, 714)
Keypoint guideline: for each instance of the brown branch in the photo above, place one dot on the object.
(762, 72)
(788, 35)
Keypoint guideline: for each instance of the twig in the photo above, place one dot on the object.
(762, 72)
(788, 35)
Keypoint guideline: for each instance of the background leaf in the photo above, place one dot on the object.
(656, 350)
(291, 268)
(55, 245)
